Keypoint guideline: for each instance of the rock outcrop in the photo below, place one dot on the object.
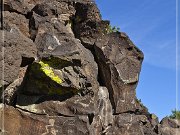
(64, 73)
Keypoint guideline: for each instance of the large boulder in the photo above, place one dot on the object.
(22, 7)
(87, 23)
(169, 126)
(119, 63)
(22, 23)
(46, 16)
(18, 51)
(17, 122)
(130, 124)
(65, 70)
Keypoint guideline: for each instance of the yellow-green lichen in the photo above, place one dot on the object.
(153, 116)
(49, 72)
(46, 76)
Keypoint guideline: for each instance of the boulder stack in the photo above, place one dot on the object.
(64, 73)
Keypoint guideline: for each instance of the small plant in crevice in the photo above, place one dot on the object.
(175, 114)
(111, 29)
(142, 105)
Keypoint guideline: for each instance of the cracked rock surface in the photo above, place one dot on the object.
(64, 74)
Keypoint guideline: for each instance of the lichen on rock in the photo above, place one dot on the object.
(45, 78)
(49, 72)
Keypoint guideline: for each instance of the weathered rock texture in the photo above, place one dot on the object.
(63, 73)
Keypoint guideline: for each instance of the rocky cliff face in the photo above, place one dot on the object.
(65, 74)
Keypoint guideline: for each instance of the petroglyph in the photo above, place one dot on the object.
(50, 128)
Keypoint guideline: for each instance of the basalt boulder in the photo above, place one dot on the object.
(169, 126)
(18, 51)
(17, 122)
(65, 71)
(88, 24)
(119, 63)
(10, 20)
(130, 124)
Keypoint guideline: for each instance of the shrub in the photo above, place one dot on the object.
(111, 29)
(175, 114)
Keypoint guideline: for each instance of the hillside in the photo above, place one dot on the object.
(65, 72)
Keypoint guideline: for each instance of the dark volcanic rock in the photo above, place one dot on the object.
(18, 122)
(64, 73)
(68, 68)
(69, 61)
(129, 124)
(86, 22)
(103, 119)
(10, 19)
(169, 126)
(18, 50)
(18, 6)
(119, 64)
(10, 93)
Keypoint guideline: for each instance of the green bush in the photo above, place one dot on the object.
(175, 114)
(111, 29)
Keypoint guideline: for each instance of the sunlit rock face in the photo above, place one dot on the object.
(67, 73)
(119, 62)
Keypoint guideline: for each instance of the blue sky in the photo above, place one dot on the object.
(151, 25)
